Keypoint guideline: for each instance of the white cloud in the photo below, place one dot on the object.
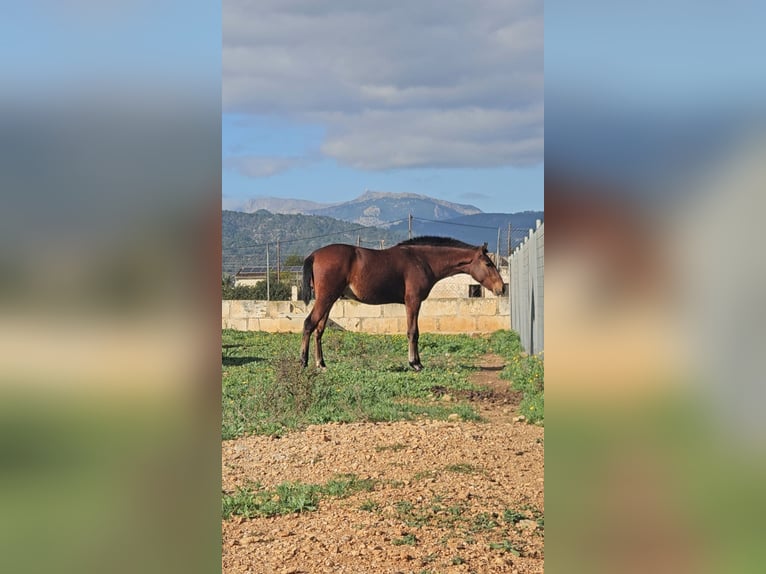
(456, 83)
(261, 166)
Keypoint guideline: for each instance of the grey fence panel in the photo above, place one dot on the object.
(527, 290)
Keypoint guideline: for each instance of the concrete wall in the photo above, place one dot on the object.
(456, 315)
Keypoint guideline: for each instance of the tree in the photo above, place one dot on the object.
(277, 291)
(293, 260)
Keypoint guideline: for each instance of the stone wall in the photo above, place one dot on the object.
(481, 315)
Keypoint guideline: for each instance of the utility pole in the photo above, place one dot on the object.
(278, 278)
(382, 241)
(268, 285)
(409, 226)
(358, 240)
(497, 261)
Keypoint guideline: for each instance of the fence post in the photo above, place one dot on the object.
(268, 286)
(497, 250)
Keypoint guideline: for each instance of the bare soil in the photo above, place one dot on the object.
(449, 496)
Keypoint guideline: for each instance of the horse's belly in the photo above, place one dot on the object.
(372, 297)
(348, 293)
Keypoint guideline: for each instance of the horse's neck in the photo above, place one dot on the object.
(444, 265)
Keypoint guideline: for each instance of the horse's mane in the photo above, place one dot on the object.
(436, 241)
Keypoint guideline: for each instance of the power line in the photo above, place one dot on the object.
(455, 223)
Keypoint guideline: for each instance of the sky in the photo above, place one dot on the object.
(326, 100)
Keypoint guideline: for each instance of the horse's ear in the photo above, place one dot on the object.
(484, 247)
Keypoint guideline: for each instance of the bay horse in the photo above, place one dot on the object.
(404, 273)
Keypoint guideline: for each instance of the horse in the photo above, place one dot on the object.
(404, 273)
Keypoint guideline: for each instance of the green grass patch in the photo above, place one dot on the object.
(265, 391)
(513, 516)
(484, 521)
(408, 539)
(287, 498)
(392, 447)
(290, 497)
(504, 546)
(462, 468)
(527, 374)
(345, 485)
(369, 506)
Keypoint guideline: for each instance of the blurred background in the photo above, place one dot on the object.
(109, 264)
(655, 148)
(110, 254)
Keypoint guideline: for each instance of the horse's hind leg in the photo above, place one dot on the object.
(413, 334)
(318, 334)
(309, 325)
(318, 316)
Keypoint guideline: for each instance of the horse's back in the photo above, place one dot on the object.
(367, 275)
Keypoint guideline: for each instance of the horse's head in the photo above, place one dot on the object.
(484, 271)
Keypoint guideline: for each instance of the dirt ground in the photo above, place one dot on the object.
(449, 496)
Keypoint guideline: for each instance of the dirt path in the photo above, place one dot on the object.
(449, 496)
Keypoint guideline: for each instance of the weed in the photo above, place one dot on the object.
(287, 498)
(408, 540)
(424, 474)
(344, 485)
(369, 506)
(513, 516)
(484, 521)
(462, 468)
(457, 560)
(392, 447)
(425, 560)
(527, 374)
(456, 511)
(265, 391)
(505, 546)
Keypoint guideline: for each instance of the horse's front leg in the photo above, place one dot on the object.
(413, 333)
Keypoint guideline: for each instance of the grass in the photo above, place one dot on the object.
(391, 447)
(505, 546)
(287, 498)
(290, 497)
(484, 521)
(408, 539)
(527, 374)
(462, 468)
(265, 391)
(345, 485)
(369, 506)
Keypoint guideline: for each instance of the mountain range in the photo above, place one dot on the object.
(372, 220)
(373, 208)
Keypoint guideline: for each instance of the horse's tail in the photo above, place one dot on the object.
(308, 274)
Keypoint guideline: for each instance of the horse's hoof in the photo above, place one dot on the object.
(417, 367)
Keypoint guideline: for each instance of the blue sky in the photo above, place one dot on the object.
(325, 101)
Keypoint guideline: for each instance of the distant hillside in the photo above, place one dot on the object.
(378, 208)
(245, 235)
(458, 228)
